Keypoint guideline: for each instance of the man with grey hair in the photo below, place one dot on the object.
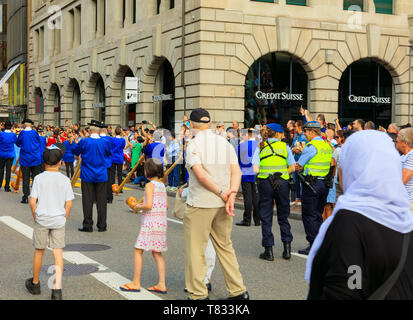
(404, 144)
(221, 129)
(393, 128)
(214, 180)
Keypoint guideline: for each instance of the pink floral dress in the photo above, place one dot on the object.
(152, 235)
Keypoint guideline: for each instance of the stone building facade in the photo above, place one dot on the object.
(79, 69)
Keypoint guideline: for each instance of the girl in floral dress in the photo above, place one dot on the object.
(152, 235)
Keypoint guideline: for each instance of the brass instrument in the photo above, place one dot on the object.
(76, 175)
(118, 188)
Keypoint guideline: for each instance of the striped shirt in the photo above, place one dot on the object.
(407, 163)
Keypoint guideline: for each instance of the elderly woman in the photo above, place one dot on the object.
(362, 251)
(404, 144)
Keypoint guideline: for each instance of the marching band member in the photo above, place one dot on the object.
(7, 154)
(95, 152)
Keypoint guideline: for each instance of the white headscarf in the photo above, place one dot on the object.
(372, 185)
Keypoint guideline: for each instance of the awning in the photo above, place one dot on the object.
(8, 75)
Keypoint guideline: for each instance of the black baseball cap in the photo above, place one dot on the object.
(28, 121)
(53, 154)
(200, 115)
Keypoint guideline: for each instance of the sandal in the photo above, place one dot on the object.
(155, 289)
(128, 289)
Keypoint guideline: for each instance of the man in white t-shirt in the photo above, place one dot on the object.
(50, 202)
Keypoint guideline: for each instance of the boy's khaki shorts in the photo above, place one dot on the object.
(43, 235)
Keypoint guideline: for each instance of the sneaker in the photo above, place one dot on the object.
(32, 288)
(57, 294)
(173, 189)
(168, 188)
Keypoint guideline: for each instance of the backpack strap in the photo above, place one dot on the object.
(273, 152)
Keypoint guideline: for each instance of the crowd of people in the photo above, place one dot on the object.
(303, 164)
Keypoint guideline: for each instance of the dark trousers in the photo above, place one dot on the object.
(28, 172)
(173, 178)
(116, 171)
(5, 163)
(109, 192)
(312, 208)
(266, 208)
(70, 170)
(297, 185)
(91, 193)
(250, 195)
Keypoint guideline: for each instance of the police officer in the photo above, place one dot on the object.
(315, 164)
(274, 159)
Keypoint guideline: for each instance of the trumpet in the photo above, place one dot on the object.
(14, 168)
(16, 184)
(76, 175)
(118, 188)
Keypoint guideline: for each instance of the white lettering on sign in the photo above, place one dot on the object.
(279, 96)
(371, 99)
(163, 97)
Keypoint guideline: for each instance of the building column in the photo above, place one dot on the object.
(129, 13)
(114, 15)
(100, 18)
(77, 26)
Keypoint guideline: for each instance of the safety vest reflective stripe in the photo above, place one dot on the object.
(274, 164)
(320, 164)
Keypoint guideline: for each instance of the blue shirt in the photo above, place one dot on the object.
(256, 158)
(298, 138)
(245, 152)
(95, 152)
(109, 142)
(155, 150)
(118, 144)
(7, 141)
(309, 152)
(68, 156)
(43, 143)
(31, 147)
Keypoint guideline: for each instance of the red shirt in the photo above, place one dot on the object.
(51, 141)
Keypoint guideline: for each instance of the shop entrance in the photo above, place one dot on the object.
(165, 99)
(365, 92)
(275, 89)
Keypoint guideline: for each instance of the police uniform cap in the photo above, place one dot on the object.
(312, 125)
(275, 127)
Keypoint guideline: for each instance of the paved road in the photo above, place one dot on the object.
(278, 280)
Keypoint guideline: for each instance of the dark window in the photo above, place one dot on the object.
(134, 11)
(172, 4)
(272, 1)
(158, 6)
(384, 6)
(349, 3)
(297, 2)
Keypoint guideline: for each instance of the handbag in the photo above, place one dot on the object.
(385, 288)
(179, 208)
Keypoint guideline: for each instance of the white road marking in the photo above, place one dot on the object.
(176, 221)
(299, 255)
(78, 194)
(109, 278)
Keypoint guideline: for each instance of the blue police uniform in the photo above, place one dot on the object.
(7, 155)
(312, 204)
(96, 154)
(267, 195)
(31, 147)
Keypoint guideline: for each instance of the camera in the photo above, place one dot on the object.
(144, 122)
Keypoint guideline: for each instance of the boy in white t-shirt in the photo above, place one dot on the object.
(50, 203)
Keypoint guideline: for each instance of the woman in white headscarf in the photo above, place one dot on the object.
(360, 246)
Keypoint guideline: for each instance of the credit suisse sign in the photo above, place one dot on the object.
(371, 99)
(279, 96)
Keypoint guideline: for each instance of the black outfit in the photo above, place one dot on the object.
(5, 164)
(28, 172)
(353, 239)
(89, 190)
(116, 170)
(70, 170)
(109, 191)
(250, 195)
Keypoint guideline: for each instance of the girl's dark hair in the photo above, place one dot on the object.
(52, 157)
(154, 168)
(140, 139)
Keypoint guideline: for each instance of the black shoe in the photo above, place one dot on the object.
(202, 299)
(7, 189)
(25, 200)
(57, 294)
(267, 254)
(305, 251)
(243, 223)
(287, 251)
(85, 229)
(110, 201)
(33, 288)
(242, 296)
(103, 230)
(257, 223)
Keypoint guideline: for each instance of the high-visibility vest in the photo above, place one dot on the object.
(270, 163)
(319, 165)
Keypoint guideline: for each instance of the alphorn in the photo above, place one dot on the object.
(166, 174)
(14, 168)
(118, 188)
(16, 184)
(76, 174)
